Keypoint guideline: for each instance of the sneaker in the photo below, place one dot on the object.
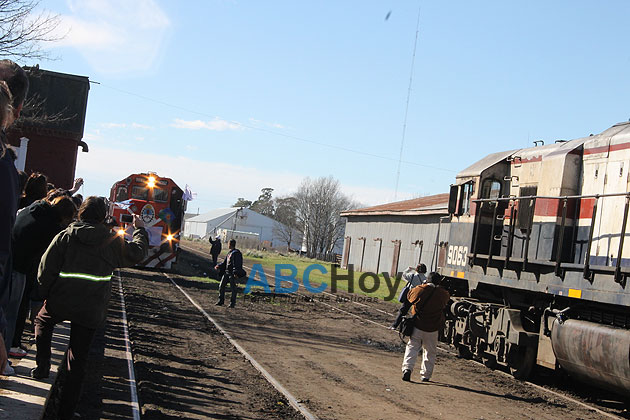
(406, 375)
(425, 379)
(40, 372)
(17, 352)
(219, 303)
(8, 370)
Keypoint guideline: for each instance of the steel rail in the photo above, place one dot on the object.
(273, 381)
(449, 351)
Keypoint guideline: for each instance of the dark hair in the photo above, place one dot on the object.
(65, 207)
(421, 268)
(77, 199)
(16, 79)
(232, 243)
(54, 193)
(93, 210)
(6, 99)
(434, 278)
(36, 186)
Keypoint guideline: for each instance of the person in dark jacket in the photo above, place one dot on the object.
(34, 229)
(431, 298)
(75, 280)
(35, 189)
(232, 267)
(215, 249)
(13, 90)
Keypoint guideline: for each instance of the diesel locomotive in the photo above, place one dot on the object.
(160, 203)
(537, 259)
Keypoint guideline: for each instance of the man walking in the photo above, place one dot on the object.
(232, 267)
(427, 302)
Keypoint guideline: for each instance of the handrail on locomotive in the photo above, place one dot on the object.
(620, 275)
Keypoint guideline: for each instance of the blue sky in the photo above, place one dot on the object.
(231, 96)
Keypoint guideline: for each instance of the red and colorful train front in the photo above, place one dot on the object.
(159, 203)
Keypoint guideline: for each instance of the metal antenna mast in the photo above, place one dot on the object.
(402, 141)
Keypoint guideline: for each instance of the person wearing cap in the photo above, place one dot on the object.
(414, 277)
(427, 304)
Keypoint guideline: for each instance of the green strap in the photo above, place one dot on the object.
(85, 276)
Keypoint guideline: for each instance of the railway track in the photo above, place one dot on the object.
(441, 348)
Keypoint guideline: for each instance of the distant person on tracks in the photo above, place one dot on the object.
(414, 277)
(232, 266)
(75, 280)
(215, 249)
(13, 89)
(427, 304)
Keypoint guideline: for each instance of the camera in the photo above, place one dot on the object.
(126, 218)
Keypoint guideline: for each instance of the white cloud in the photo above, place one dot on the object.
(217, 124)
(218, 184)
(115, 36)
(142, 126)
(125, 125)
(259, 123)
(113, 125)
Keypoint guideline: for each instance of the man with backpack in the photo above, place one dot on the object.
(427, 303)
(232, 267)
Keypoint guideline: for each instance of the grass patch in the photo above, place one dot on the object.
(271, 261)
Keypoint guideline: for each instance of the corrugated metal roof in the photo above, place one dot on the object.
(213, 214)
(476, 168)
(432, 204)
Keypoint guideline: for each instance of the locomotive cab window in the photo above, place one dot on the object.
(464, 198)
(139, 193)
(491, 188)
(161, 196)
(121, 194)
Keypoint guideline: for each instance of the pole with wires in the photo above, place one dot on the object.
(402, 141)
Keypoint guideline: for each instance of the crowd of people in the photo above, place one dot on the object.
(57, 257)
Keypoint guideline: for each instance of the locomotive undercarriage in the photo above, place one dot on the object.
(519, 330)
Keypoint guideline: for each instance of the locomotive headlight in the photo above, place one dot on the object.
(151, 182)
(169, 237)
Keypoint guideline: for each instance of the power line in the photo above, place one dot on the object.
(402, 140)
(273, 132)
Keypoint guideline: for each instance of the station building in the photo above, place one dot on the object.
(391, 237)
(49, 132)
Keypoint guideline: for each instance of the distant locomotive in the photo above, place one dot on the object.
(159, 203)
(536, 259)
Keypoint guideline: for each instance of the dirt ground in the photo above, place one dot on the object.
(337, 365)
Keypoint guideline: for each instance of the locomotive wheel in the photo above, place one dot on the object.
(522, 361)
(490, 362)
(464, 352)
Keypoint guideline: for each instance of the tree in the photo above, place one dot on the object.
(23, 31)
(319, 203)
(264, 204)
(241, 202)
(286, 224)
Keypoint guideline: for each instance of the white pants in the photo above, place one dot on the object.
(427, 341)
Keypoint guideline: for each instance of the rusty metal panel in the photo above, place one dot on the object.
(594, 353)
(394, 269)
